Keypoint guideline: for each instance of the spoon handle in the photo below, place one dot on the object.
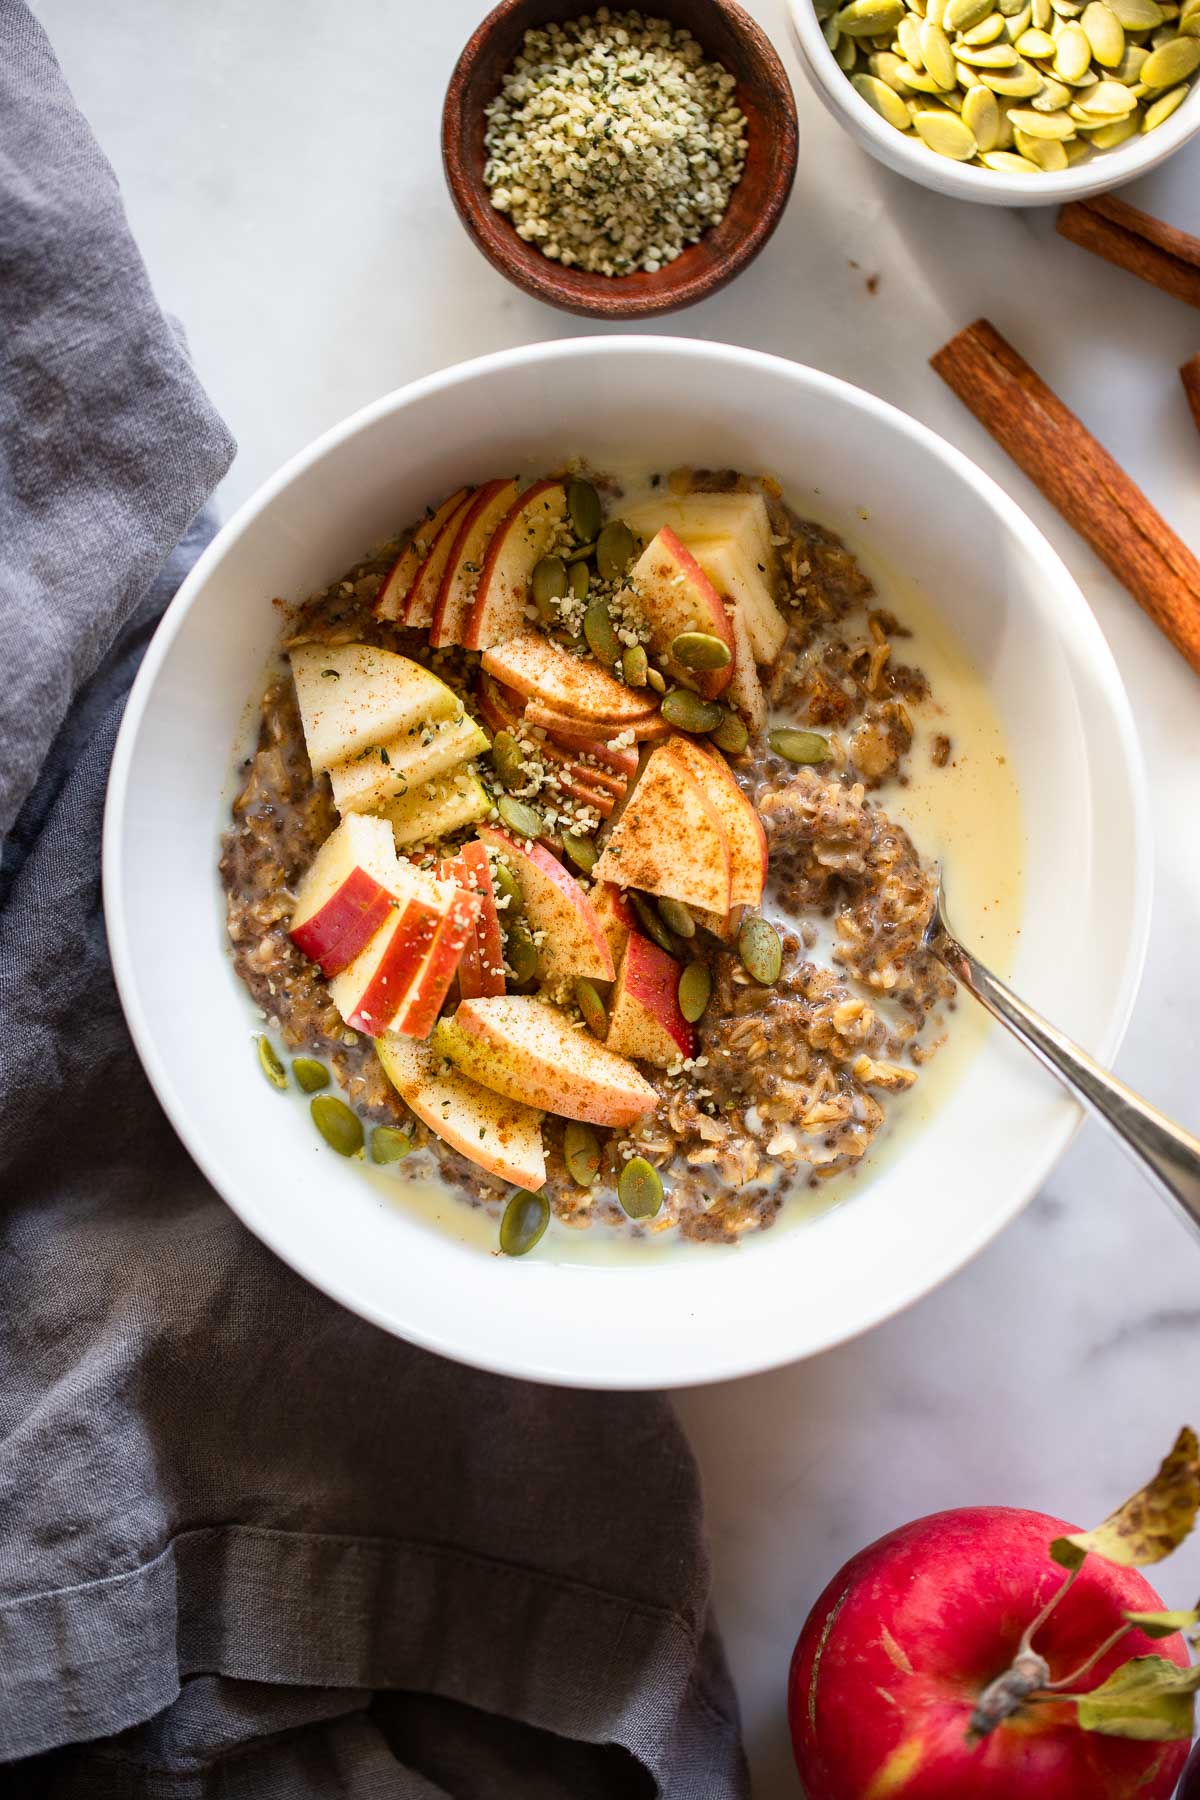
(1169, 1155)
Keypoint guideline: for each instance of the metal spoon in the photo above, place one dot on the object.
(1167, 1154)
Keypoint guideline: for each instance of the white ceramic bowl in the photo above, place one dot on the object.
(712, 1312)
(904, 152)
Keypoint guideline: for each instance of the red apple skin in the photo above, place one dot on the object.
(905, 1637)
(349, 919)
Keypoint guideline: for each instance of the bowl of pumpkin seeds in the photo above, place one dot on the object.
(1012, 102)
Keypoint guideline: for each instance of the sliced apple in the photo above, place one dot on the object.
(387, 771)
(378, 982)
(528, 1050)
(575, 686)
(615, 915)
(502, 710)
(422, 595)
(575, 733)
(397, 584)
(429, 987)
(744, 584)
(499, 1135)
(483, 972)
(670, 839)
(743, 828)
(477, 525)
(722, 925)
(437, 808)
(353, 696)
(698, 516)
(645, 1021)
(675, 595)
(745, 691)
(570, 939)
(347, 893)
(517, 546)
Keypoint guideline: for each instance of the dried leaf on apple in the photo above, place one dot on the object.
(1152, 1523)
(1148, 1698)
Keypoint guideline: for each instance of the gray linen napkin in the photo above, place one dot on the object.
(249, 1545)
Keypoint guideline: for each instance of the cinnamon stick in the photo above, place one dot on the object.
(1190, 377)
(1074, 472)
(1159, 253)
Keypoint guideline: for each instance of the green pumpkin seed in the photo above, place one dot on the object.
(845, 53)
(581, 1152)
(1160, 109)
(918, 80)
(1078, 148)
(310, 1074)
(760, 950)
(507, 758)
(1020, 83)
(799, 746)
(1171, 63)
(981, 112)
(389, 1145)
(1101, 104)
(1055, 126)
(882, 99)
(583, 505)
(1138, 15)
(731, 735)
(698, 650)
(653, 926)
(1048, 153)
(1129, 69)
(695, 990)
(676, 917)
(270, 1064)
(1104, 32)
(341, 1128)
(506, 885)
(992, 56)
(1109, 136)
(614, 550)
(884, 65)
(1074, 54)
(581, 851)
(549, 584)
(595, 1013)
(1005, 163)
(601, 637)
(937, 55)
(961, 15)
(945, 134)
(640, 1188)
(908, 38)
(869, 18)
(520, 953)
(579, 579)
(525, 1219)
(523, 821)
(687, 710)
(657, 680)
(1053, 97)
(635, 664)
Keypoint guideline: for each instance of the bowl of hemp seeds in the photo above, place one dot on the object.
(619, 163)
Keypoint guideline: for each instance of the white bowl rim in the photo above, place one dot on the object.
(1111, 169)
(1080, 625)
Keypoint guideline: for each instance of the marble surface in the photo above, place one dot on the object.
(280, 163)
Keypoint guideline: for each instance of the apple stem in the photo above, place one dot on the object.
(1110, 1643)
(1031, 1631)
(1009, 1692)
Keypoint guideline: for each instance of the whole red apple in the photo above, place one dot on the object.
(902, 1643)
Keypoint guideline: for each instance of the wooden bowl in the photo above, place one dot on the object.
(728, 36)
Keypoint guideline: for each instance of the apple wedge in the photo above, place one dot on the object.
(388, 771)
(353, 696)
(645, 1021)
(722, 925)
(615, 916)
(528, 1050)
(570, 939)
(670, 839)
(698, 516)
(574, 686)
(745, 586)
(347, 893)
(675, 596)
(483, 973)
(437, 808)
(575, 733)
(502, 710)
(498, 1135)
(423, 1002)
(377, 983)
(519, 543)
(397, 584)
(477, 524)
(743, 828)
(745, 691)
(422, 595)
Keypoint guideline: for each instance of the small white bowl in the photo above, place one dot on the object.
(904, 151)
(912, 504)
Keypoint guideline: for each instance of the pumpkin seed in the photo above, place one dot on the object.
(270, 1064)
(699, 650)
(676, 917)
(389, 1145)
(883, 99)
(1005, 163)
(579, 578)
(1106, 101)
(1048, 153)
(595, 1013)
(1129, 68)
(908, 37)
(981, 113)
(600, 634)
(581, 1152)
(1041, 13)
(507, 758)
(506, 885)
(1109, 136)
(581, 851)
(580, 553)
(310, 1074)
(635, 663)
(583, 505)
(869, 18)
(760, 950)
(523, 821)
(695, 991)
(341, 1128)
(1015, 28)
(1041, 125)
(884, 65)
(799, 746)
(525, 1219)
(992, 56)
(961, 15)
(640, 1188)
(731, 735)
(520, 953)
(985, 33)
(657, 680)
(548, 584)
(1053, 97)
(937, 55)
(614, 550)
(653, 926)
(918, 80)
(1162, 108)
(1074, 53)
(1020, 83)
(687, 710)
(1104, 32)
(1138, 15)
(845, 53)
(1171, 62)
(1036, 43)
